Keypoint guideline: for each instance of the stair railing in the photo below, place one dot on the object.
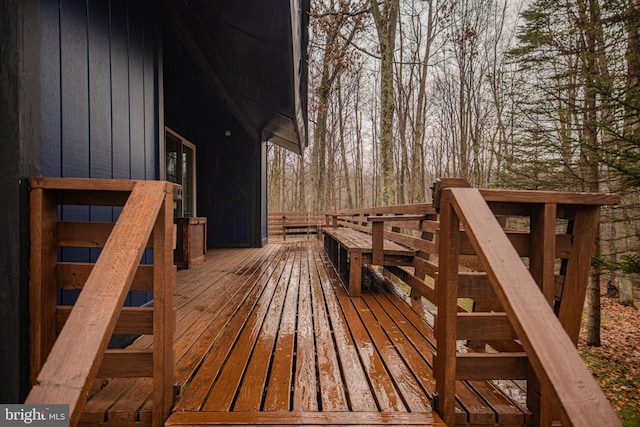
(547, 340)
(65, 365)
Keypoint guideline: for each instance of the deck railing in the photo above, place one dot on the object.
(65, 366)
(283, 224)
(548, 359)
(539, 238)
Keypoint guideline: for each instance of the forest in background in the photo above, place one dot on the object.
(541, 95)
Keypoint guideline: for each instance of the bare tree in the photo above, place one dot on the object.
(386, 20)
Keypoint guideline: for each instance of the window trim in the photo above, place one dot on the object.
(184, 143)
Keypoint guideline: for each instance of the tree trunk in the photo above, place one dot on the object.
(304, 206)
(418, 188)
(343, 151)
(386, 21)
(593, 296)
(588, 18)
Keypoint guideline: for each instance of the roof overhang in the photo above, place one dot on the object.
(255, 53)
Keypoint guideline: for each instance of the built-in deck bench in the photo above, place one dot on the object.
(355, 238)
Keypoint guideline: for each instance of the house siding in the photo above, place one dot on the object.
(99, 89)
(98, 101)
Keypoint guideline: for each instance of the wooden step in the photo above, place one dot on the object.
(304, 418)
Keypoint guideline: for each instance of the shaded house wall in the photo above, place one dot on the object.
(79, 99)
(99, 102)
(20, 152)
(229, 169)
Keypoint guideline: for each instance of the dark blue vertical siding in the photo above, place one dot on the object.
(151, 147)
(264, 226)
(74, 99)
(74, 77)
(99, 95)
(50, 88)
(120, 89)
(99, 89)
(136, 93)
(100, 150)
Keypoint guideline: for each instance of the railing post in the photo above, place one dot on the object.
(542, 254)
(284, 228)
(43, 281)
(377, 242)
(163, 312)
(542, 248)
(585, 225)
(447, 296)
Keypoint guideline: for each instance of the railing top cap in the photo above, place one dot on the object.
(95, 184)
(557, 197)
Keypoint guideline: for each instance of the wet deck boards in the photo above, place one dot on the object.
(269, 337)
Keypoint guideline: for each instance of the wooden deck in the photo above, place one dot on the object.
(270, 337)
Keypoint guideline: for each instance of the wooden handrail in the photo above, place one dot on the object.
(550, 350)
(76, 356)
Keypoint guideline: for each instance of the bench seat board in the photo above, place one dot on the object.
(349, 249)
(354, 239)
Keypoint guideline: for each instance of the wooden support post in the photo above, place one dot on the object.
(163, 312)
(542, 248)
(578, 265)
(539, 400)
(377, 241)
(284, 228)
(355, 273)
(42, 286)
(447, 296)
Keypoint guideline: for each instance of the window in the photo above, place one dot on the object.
(180, 165)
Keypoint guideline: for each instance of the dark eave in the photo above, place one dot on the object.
(254, 53)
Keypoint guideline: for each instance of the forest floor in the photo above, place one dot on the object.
(616, 363)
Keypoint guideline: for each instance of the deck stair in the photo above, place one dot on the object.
(69, 343)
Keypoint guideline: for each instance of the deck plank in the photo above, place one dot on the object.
(332, 388)
(470, 407)
(385, 391)
(359, 394)
(251, 391)
(424, 419)
(413, 395)
(278, 396)
(132, 396)
(245, 283)
(197, 391)
(305, 397)
(270, 335)
(224, 390)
